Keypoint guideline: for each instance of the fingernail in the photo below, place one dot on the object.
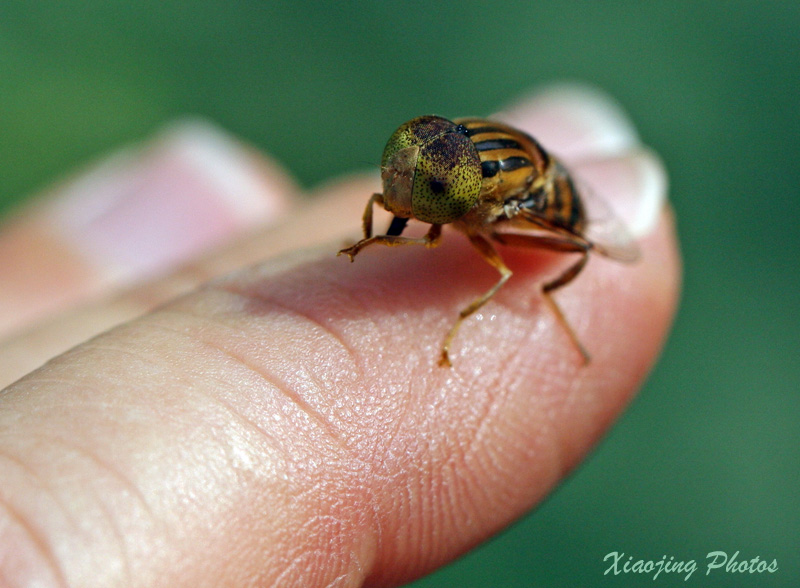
(575, 122)
(145, 209)
(633, 185)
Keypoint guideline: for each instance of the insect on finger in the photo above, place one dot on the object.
(483, 178)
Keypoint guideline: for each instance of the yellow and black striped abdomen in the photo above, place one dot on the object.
(514, 165)
(563, 206)
(510, 160)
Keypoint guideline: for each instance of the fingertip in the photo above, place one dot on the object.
(137, 213)
(255, 187)
(575, 121)
(146, 209)
(635, 184)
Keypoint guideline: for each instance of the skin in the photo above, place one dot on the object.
(287, 424)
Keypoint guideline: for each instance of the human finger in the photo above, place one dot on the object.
(134, 215)
(290, 424)
(324, 441)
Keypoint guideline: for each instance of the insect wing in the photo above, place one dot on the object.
(604, 229)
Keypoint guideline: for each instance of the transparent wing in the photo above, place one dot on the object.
(604, 229)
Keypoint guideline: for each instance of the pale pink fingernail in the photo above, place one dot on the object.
(146, 209)
(575, 122)
(633, 185)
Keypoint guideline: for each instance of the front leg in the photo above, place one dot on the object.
(431, 239)
(366, 220)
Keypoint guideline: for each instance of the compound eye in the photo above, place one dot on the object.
(448, 179)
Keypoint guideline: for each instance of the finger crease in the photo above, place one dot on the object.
(38, 540)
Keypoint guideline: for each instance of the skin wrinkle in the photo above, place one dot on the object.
(483, 419)
(99, 344)
(270, 303)
(275, 384)
(120, 537)
(280, 386)
(342, 580)
(485, 423)
(459, 482)
(287, 389)
(341, 534)
(77, 450)
(182, 333)
(376, 496)
(399, 421)
(574, 392)
(558, 460)
(476, 493)
(437, 483)
(106, 467)
(471, 471)
(401, 500)
(398, 424)
(287, 571)
(324, 553)
(375, 519)
(464, 382)
(243, 423)
(297, 559)
(463, 454)
(559, 372)
(420, 519)
(374, 281)
(174, 330)
(31, 473)
(588, 403)
(497, 404)
(433, 517)
(472, 497)
(38, 542)
(475, 510)
(355, 559)
(43, 487)
(454, 507)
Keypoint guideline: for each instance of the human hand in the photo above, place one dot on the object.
(288, 424)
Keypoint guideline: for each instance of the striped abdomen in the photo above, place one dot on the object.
(515, 166)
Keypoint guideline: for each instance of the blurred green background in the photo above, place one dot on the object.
(708, 457)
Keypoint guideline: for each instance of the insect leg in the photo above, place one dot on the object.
(431, 239)
(366, 220)
(568, 244)
(490, 255)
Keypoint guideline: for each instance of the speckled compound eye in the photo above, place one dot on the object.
(447, 181)
(430, 171)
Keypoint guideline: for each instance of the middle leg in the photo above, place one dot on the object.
(490, 255)
(567, 244)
